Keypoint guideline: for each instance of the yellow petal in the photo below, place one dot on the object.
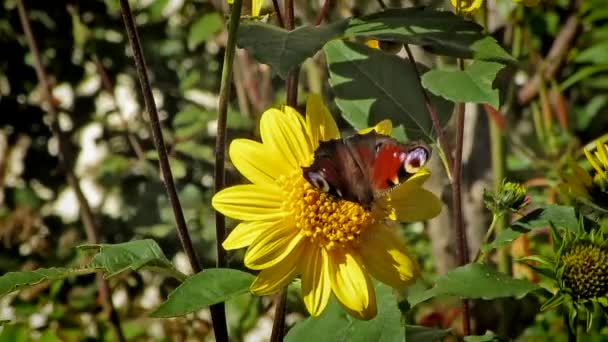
(320, 125)
(284, 134)
(467, 6)
(316, 284)
(255, 162)
(245, 233)
(592, 161)
(373, 43)
(383, 127)
(273, 279)
(385, 256)
(273, 246)
(256, 7)
(417, 204)
(602, 154)
(351, 285)
(250, 202)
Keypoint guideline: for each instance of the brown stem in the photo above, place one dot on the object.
(278, 326)
(323, 13)
(218, 317)
(86, 213)
(431, 109)
(291, 84)
(277, 11)
(381, 3)
(559, 49)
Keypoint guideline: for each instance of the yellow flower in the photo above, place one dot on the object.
(292, 229)
(256, 6)
(467, 6)
(581, 184)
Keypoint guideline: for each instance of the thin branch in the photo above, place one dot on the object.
(461, 236)
(218, 317)
(65, 160)
(381, 3)
(323, 13)
(291, 84)
(277, 11)
(443, 142)
(559, 49)
(278, 325)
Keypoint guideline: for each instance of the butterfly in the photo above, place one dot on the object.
(362, 167)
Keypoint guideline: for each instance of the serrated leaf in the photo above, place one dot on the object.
(132, 255)
(441, 32)
(368, 91)
(417, 333)
(203, 289)
(474, 84)
(13, 281)
(334, 324)
(282, 49)
(203, 28)
(476, 281)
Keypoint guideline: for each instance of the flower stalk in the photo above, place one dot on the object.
(65, 162)
(218, 316)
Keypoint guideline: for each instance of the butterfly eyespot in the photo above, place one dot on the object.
(415, 160)
(318, 181)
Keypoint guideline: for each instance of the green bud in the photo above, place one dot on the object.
(510, 196)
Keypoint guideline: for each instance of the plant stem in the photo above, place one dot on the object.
(278, 325)
(218, 317)
(498, 171)
(495, 221)
(444, 152)
(291, 84)
(323, 13)
(277, 11)
(461, 237)
(65, 162)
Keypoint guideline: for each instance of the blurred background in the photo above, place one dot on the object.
(94, 85)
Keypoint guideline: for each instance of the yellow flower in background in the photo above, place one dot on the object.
(256, 6)
(292, 229)
(586, 186)
(467, 6)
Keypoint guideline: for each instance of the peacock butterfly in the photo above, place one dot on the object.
(361, 167)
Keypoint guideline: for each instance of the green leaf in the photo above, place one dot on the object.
(132, 255)
(441, 32)
(367, 90)
(206, 26)
(596, 54)
(487, 337)
(417, 333)
(475, 281)
(282, 49)
(334, 324)
(13, 281)
(203, 289)
(561, 216)
(474, 84)
(196, 150)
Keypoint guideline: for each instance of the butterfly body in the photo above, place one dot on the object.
(364, 166)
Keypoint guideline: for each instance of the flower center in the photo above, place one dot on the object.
(586, 271)
(327, 221)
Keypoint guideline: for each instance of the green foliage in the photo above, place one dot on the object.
(110, 259)
(367, 91)
(474, 84)
(335, 324)
(475, 281)
(204, 289)
(416, 333)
